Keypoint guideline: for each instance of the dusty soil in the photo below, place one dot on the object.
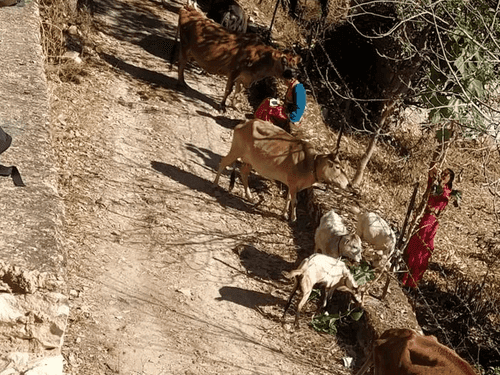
(167, 274)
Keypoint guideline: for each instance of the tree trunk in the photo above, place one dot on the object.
(386, 113)
(364, 161)
(398, 87)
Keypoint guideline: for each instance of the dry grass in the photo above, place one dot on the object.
(287, 32)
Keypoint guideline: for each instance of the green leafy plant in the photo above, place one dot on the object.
(327, 323)
(362, 273)
(460, 66)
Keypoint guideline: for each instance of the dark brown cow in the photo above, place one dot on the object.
(277, 155)
(240, 57)
(401, 351)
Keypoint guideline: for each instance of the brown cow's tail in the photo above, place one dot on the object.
(174, 47)
(232, 180)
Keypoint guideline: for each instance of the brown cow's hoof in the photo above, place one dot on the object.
(181, 85)
(289, 218)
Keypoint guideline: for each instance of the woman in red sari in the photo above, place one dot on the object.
(421, 245)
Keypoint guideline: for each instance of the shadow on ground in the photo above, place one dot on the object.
(201, 185)
(261, 264)
(247, 298)
(223, 121)
(135, 19)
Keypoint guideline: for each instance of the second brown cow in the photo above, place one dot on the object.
(401, 351)
(243, 58)
(277, 155)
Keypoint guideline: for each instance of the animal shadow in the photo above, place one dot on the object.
(223, 121)
(159, 46)
(201, 185)
(261, 264)
(247, 298)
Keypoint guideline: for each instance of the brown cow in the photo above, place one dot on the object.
(240, 57)
(277, 155)
(401, 351)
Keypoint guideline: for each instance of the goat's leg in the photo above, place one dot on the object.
(296, 285)
(306, 286)
(301, 306)
(326, 297)
(366, 366)
(328, 292)
(237, 90)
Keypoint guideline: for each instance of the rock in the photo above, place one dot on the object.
(38, 318)
(46, 366)
(72, 55)
(25, 363)
(186, 292)
(73, 30)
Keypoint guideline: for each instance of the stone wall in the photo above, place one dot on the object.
(33, 305)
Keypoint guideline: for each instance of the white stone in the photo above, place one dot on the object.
(73, 55)
(46, 366)
(9, 308)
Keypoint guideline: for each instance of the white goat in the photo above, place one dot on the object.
(378, 234)
(332, 238)
(331, 273)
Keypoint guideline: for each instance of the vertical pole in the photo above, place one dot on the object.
(272, 21)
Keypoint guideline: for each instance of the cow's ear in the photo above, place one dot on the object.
(332, 164)
(297, 59)
(284, 61)
(334, 157)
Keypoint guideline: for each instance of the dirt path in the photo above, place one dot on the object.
(168, 275)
